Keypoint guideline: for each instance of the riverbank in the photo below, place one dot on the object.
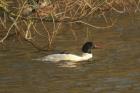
(26, 19)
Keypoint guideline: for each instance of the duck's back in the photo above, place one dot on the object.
(61, 57)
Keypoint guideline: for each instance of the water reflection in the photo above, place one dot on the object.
(68, 64)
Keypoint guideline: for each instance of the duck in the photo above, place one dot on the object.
(86, 54)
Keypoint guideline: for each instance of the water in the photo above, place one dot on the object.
(114, 69)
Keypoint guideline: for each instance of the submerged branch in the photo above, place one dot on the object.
(97, 27)
(34, 45)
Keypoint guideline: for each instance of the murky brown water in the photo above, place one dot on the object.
(115, 68)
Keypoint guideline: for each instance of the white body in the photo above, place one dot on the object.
(67, 57)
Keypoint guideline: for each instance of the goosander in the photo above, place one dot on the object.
(87, 54)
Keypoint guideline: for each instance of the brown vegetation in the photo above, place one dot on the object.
(24, 15)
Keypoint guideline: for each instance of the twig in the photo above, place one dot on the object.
(97, 27)
(14, 23)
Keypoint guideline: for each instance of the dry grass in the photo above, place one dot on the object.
(24, 16)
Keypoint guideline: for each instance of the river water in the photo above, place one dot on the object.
(114, 69)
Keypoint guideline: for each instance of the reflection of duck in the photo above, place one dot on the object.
(87, 54)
